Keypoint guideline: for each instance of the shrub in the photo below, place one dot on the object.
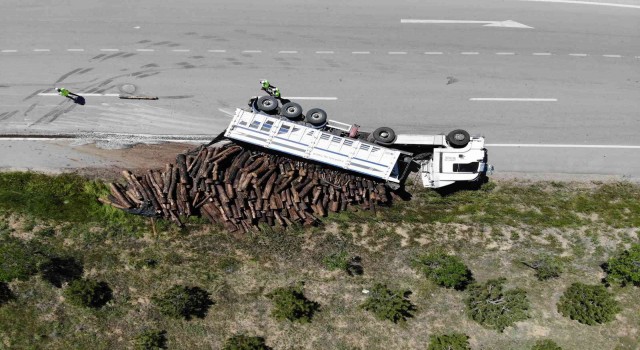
(451, 341)
(546, 344)
(244, 342)
(491, 306)
(183, 302)
(291, 304)
(387, 304)
(5, 293)
(341, 261)
(546, 267)
(588, 304)
(625, 268)
(445, 270)
(88, 293)
(150, 339)
(60, 270)
(18, 260)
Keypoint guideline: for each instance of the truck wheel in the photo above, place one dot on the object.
(267, 103)
(316, 117)
(384, 135)
(458, 138)
(291, 110)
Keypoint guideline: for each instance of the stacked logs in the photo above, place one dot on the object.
(241, 188)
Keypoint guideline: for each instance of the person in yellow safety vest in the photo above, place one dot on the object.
(270, 89)
(64, 92)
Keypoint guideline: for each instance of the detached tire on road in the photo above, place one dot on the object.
(384, 135)
(458, 138)
(267, 103)
(316, 117)
(291, 110)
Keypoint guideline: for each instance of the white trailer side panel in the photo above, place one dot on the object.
(282, 135)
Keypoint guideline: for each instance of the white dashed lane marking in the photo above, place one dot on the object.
(41, 50)
(252, 51)
(578, 54)
(434, 53)
(110, 50)
(360, 52)
(325, 52)
(612, 56)
(217, 51)
(75, 50)
(505, 53)
(513, 99)
(541, 53)
(397, 52)
(9, 50)
(145, 50)
(469, 53)
(313, 98)
(287, 51)
(181, 50)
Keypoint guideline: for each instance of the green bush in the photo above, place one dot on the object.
(5, 293)
(387, 304)
(291, 304)
(491, 306)
(445, 270)
(588, 304)
(183, 302)
(150, 339)
(625, 267)
(546, 267)
(18, 260)
(546, 344)
(341, 261)
(59, 270)
(88, 293)
(244, 342)
(451, 341)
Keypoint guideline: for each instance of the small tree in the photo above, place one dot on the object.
(491, 306)
(291, 304)
(150, 339)
(446, 270)
(624, 268)
(451, 341)
(546, 267)
(183, 302)
(245, 342)
(387, 304)
(546, 344)
(59, 270)
(588, 304)
(88, 293)
(6, 294)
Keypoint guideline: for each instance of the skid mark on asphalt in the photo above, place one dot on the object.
(54, 114)
(99, 56)
(186, 65)
(147, 75)
(144, 41)
(179, 97)
(35, 93)
(112, 56)
(127, 55)
(29, 109)
(85, 71)
(150, 65)
(66, 75)
(7, 115)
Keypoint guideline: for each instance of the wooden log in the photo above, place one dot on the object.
(118, 194)
(269, 186)
(168, 173)
(181, 163)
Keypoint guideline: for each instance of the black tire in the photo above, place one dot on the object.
(458, 138)
(291, 110)
(384, 135)
(316, 117)
(267, 103)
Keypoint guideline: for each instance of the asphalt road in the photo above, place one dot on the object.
(579, 63)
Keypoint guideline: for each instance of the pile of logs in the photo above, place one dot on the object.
(241, 188)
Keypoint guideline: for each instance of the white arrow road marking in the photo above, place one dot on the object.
(535, 145)
(510, 99)
(587, 3)
(503, 24)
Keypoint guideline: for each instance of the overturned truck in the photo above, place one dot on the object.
(275, 165)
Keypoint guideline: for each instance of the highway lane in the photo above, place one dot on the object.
(358, 52)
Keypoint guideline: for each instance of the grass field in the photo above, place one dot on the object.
(493, 230)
